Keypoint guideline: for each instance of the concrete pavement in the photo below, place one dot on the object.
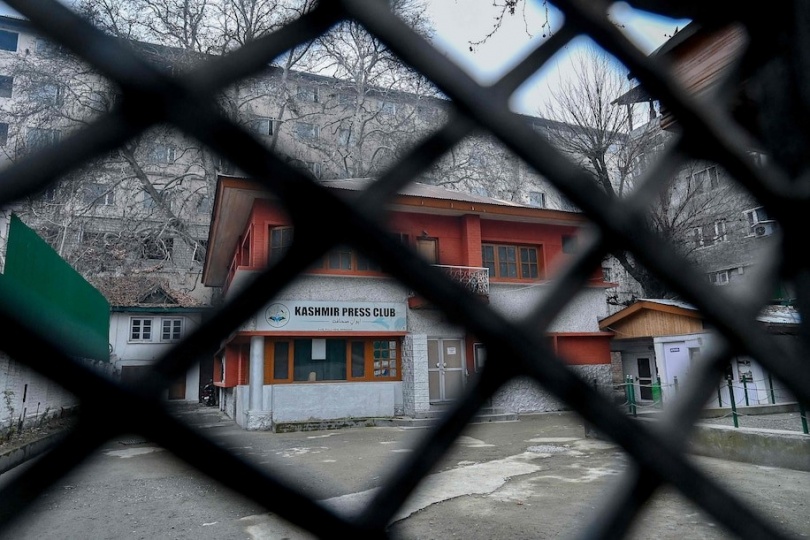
(536, 478)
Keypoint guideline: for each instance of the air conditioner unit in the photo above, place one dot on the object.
(764, 228)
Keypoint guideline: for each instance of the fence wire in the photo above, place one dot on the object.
(515, 348)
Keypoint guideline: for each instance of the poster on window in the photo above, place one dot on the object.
(287, 316)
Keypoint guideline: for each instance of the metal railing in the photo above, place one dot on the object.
(707, 132)
(473, 279)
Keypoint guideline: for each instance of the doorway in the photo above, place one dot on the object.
(445, 369)
(644, 379)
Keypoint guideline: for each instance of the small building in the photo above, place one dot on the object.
(147, 318)
(660, 338)
(346, 340)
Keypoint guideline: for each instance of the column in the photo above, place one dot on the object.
(256, 417)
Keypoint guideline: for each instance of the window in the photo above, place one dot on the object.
(3, 133)
(140, 329)
(719, 278)
(157, 248)
(199, 251)
(148, 202)
(333, 359)
(537, 199)
(705, 180)
(607, 274)
(263, 126)
(39, 138)
(385, 358)
(697, 237)
(162, 153)
(100, 194)
(720, 231)
(8, 40)
(203, 205)
(281, 238)
(569, 244)
(344, 136)
(171, 329)
(307, 131)
(308, 93)
(343, 258)
(388, 107)
(756, 216)
(46, 93)
(511, 262)
(6, 85)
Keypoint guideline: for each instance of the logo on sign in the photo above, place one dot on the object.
(277, 315)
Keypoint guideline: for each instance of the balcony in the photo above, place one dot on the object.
(474, 279)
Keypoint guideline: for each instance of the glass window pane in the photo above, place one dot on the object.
(358, 359)
(281, 360)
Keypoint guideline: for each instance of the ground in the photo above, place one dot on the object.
(35, 432)
(536, 478)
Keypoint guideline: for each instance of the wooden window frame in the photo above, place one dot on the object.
(494, 270)
(368, 364)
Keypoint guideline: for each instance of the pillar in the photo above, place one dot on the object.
(257, 418)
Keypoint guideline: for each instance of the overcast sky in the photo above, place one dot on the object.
(460, 22)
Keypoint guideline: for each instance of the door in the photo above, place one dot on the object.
(428, 248)
(445, 369)
(644, 379)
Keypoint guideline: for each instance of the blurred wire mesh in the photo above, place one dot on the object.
(706, 132)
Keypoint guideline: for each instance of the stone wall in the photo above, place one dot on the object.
(523, 395)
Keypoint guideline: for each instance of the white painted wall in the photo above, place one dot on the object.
(128, 353)
(26, 395)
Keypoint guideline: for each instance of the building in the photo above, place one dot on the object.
(147, 318)
(144, 208)
(347, 341)
(659, 340)
(712, 220)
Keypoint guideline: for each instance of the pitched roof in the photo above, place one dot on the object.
(141, 291)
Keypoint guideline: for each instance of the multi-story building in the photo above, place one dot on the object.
(347, 341)
(144, 208)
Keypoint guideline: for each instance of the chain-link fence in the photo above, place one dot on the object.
(778, 41)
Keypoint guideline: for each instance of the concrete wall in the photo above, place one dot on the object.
(319, 401)
(582, 314)
(26, 395)
(523, 395)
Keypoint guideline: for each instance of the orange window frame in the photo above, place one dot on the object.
(369, 366)
(519, 262)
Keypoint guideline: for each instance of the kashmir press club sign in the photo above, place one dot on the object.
(333, 316)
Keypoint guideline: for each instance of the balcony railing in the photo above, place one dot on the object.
(474, 279)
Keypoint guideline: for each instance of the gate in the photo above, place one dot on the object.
(778, 39)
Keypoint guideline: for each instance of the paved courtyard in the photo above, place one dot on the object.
(536, 478)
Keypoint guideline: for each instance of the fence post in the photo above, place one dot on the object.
(803, 416)
(770, 384)
(745, 391)
(627, 393)
(733, 404)
(656, 393)
(633, 398)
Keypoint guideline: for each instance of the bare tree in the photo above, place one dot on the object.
(597, 133)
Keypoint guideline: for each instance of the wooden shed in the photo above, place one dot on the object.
(653, 318)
